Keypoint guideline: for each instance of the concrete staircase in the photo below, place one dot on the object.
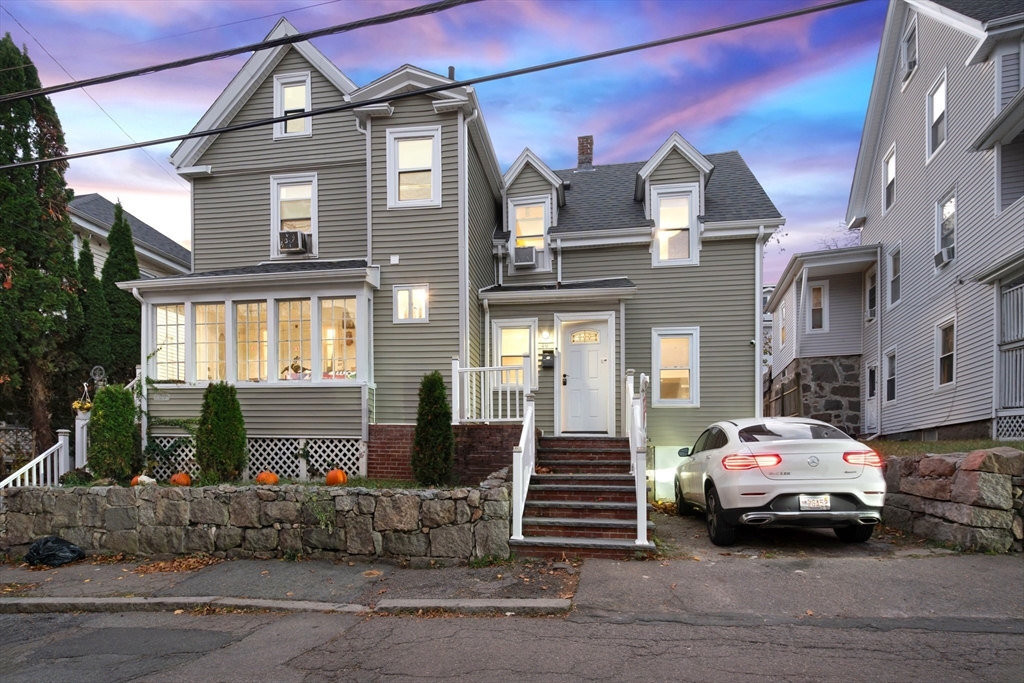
(586, 505)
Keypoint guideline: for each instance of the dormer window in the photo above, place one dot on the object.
(292, 96)
(414, 167)
(675, 212)
(529, 218)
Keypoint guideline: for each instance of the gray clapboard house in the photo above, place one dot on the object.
(927, 317)
(339, 258)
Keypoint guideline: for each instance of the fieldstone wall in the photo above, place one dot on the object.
(971, 499)
(266, 521)
(829, 391)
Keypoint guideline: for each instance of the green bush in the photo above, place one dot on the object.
(112, 433)
(220, 439)
(434, 443)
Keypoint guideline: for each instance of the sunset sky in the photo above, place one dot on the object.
(789, 96)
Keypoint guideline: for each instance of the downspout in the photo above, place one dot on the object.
(801, 318)
(758, 325)
(365, 130)
(879, 372)
(463, 137)
(144, 389)
(559, 242)
(487, 333)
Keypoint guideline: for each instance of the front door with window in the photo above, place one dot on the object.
(586, 364)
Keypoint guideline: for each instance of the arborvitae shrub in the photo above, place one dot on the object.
(112, 442)
(220, 439)
(434, 443)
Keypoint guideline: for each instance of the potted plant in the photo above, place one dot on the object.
(83, 405)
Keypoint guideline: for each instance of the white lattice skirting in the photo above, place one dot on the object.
(1010, 427)
(280, 455)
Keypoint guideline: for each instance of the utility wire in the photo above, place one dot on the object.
(162, 167)
(198, 30)
(457, 84)
(430, 8)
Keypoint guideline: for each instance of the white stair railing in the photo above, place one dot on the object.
(82, 421)
(637, 430)
(524, 462)
(46, 468)
(492, 394)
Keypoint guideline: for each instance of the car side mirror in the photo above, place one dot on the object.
(684, 452)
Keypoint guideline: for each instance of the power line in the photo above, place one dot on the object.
(162, 167)
(422, 10)
(457, 84)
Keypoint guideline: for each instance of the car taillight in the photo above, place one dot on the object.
(869, 458)
(749, 462)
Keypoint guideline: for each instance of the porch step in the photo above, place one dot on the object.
(582, 492)
(582, 442)
(595, 479)
(578, 527)
(587, 453)
(576, 467)
(557, 546)
(581, 510)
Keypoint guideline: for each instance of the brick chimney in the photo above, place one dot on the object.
(585, 153)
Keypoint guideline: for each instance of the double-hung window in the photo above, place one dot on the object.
(937, 116)
(170, 343)
(414, 167)
(890, 376)
(411, 304)
(292, 96)
(871, 296)
(676, 354)
(890, 179)
(529, 218)
(909, 51)
(945, 349)
(294, 210)
(817, 306)
(895, 269)
(514, 344)
(211, 358)
(945, 229)
(251, 341)
(338, 338)
(294, 343)
(674, 209)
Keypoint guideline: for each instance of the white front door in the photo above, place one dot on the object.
(586, 364)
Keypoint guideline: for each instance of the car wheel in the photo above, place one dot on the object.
(854, 534)
(720, 531)
(682, 509)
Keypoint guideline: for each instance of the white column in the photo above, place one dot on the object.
(64, 453)
(456, 403)
(81, 439)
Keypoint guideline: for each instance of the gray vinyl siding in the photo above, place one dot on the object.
(1012, 172)
(1009, 76)
(844, 319)
(281, 410)
(983, 237)
(231, 221)
(482, 219)
(674, 168)
(528, 183)
(427, 241)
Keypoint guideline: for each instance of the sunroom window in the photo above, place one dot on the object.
(338, 338)
(251, 341)
(170, 343)
(294, 344)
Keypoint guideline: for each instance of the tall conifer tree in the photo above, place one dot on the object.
(125, 312)
(39, 308)
(95, 348)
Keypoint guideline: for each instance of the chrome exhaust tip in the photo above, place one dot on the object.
(869, 520)
(757, 519)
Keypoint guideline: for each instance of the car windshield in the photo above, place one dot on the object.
(773, 430)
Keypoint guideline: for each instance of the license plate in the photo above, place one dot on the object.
(815, 502)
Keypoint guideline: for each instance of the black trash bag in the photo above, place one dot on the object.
(53, 551)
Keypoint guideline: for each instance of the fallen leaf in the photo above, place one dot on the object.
(673, 586)
(264, 572)
(290, 594)
(810, 613)
(371, 573)
(179, 611)
(87, 581)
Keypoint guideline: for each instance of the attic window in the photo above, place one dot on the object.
(292, 96)
(674, 212)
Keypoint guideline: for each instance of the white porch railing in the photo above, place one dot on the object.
(637, 430)
(1011, 378)
(46, 468)
(1011, 307)
(524, 461)
(494, 394)
(82, 421)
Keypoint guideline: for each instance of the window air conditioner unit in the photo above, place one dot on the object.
(944, 256)
(525, 257)
(871, 314)
(293, 242)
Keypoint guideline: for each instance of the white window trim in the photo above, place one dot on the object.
(889, 303)
(281, 80)
(952, 194)
(868, 317)
(190, 346)
(929, 152)
(276, 181)
(824, 306)
(151, 365)
(393, 136)
(693, 190)
(911, 26)
(394, 305)
(497, 325)
(885, 181)
(945, 322)
(543, 266)
(656, 334)
(885, 376)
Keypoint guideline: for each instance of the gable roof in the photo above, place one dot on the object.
(528, 157)
(99, 210)
(679, 143)
(408, 77)
(244, 84)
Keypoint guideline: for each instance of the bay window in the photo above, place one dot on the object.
(294, 346)
(251, 341)
(211, 358)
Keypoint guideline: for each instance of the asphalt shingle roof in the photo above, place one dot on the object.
(272, 268)
(101, 210)
(984, 10)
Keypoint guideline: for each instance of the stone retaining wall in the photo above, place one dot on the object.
(973, 500)
(266, 521)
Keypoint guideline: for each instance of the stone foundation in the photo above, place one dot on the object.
(829, 390)
(973, 500)
(266, 521)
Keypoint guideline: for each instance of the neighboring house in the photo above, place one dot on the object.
(937, 194)
(766, 328)
(92, 216)
(339, 258)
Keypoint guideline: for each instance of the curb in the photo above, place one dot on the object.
(55, 604)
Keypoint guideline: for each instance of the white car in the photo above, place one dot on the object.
(781, 471)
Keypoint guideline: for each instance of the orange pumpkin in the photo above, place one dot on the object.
(181, 479)
(267, 478)
(337, 478)
(135, 480)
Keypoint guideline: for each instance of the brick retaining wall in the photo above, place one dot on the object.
(479, 449)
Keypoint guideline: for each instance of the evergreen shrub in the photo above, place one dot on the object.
(112, 433)
(434, 442)
(221, 448)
